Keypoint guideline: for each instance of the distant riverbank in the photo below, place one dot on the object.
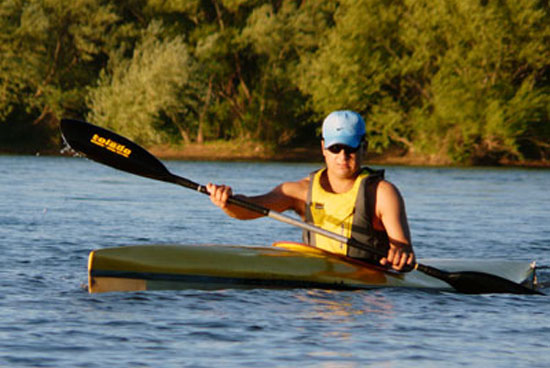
(255, 151)
(239, 151)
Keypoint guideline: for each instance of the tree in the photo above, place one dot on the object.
(488, 97)
(49, 54)
(138, 96)
(280, 36)
(359, 66)
(466, 80)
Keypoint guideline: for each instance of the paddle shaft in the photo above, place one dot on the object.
(269, 213)
(118, 152)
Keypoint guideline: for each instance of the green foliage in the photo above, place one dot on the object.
(49, 54)
(361, 65)
(463, 79)
(280, 37)
(133, 95)
(467, 81)
(483, 92)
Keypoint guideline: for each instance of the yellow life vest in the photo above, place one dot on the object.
(348, 214)
(333, 212)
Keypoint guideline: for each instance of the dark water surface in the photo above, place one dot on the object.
(53, 211)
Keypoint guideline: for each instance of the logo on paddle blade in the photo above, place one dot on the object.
(112, 146)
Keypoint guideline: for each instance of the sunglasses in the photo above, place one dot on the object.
(339, 147)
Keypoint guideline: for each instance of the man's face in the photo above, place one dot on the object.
(342, 161)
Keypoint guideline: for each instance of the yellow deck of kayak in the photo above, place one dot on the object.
(283, 265)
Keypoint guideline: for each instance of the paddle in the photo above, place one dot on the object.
(113, 150)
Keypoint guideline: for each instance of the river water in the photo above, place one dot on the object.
(54, 210)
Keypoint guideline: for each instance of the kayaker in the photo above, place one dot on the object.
(344, 198)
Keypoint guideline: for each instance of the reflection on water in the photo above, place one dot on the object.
(329, 304)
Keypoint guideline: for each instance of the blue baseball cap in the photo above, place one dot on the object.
(343, 127)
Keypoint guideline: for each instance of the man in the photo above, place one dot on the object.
(343, 198)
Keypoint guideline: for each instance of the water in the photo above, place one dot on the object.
(53, 211)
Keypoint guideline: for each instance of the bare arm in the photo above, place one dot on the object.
(286, 196)
(390, 209)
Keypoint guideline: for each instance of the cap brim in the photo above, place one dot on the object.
(349, 140)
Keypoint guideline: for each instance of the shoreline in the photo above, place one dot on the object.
(251, 151)
(233, 151)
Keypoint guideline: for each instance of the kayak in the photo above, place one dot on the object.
(282, 265)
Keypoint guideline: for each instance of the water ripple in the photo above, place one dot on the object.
(55, 210)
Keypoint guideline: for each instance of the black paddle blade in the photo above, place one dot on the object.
(483, 283)
(471, 282)
(111, 149)
(467, 282)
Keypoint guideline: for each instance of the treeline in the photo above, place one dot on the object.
(462, 80)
